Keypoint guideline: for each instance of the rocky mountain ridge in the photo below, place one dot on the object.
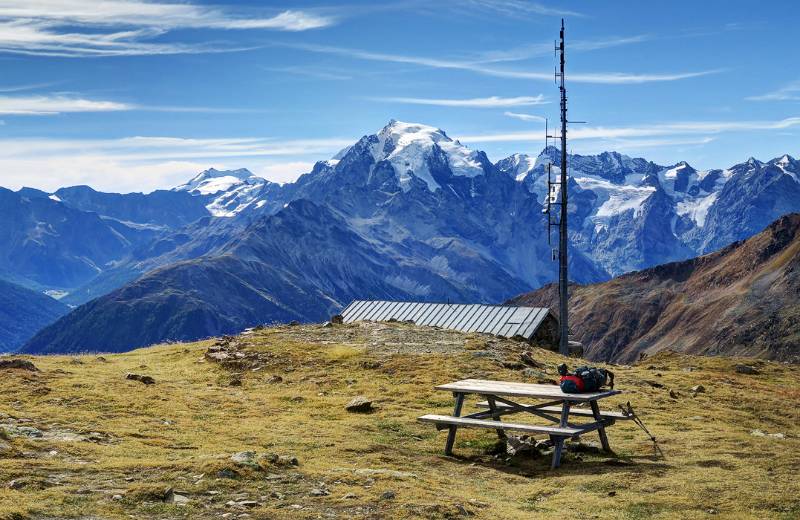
(743, 300)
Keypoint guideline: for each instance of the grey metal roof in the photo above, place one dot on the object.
(500, 320)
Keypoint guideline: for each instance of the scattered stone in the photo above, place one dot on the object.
(759, 433)
(337, 319)
(275, 379)
(612, 493)
(141, 378)
(359, 404)
(18, 483)
(527, 358)
(101, 359)
(478, 503)
(227, 473)
(319, 492)
(235, 381)
(520, 445)
(349, 496)
(117, 497)
(22, 364)
(327, 324)
(673, 394)
(654, 384)
(370, 364)
(747, 369)
(245, 458)
(293, 323)
(389, 495)
(699, 389)
(180, 499)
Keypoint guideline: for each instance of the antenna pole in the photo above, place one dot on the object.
(563, 281)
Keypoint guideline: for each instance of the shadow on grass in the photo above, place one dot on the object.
(578, 461)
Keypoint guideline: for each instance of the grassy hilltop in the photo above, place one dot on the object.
(79, 440)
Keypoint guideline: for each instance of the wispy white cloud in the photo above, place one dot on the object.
(481, 68)
(23, 88)
(76, 28)
(538, 50)
(53, 104)
(788, 92)
(309, 71)
(517, 7)
(145, 163)
(487, 102)
(50, 105)
(524, 117)
(661, 129)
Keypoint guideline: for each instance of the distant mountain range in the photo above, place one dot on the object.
(743, 300)
(421, 215)
(23, 313)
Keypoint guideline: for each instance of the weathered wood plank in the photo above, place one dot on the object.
(492, 425)
(480, 386)
(573, 411)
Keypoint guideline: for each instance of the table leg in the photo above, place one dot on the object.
(559, 441)
(601, 430)
(501, 434)
(451, 435)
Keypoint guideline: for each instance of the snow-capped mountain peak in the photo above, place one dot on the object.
(211, 181)
(408, 147)
(227, 192)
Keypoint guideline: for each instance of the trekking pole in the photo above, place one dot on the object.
(629, 412)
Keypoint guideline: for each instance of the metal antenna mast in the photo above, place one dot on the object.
(563, 281)
(557, 196)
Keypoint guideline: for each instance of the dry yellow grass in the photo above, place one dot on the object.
(136, 440)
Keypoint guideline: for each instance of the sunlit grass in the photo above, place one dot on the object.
(181, 432)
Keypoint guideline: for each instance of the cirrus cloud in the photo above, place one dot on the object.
(487, 102)
(82, 28)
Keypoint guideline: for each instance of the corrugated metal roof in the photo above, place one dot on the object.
(500, 320)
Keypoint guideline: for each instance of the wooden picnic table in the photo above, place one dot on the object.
(500, 400)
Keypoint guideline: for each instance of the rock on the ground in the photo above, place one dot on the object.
(359, 404)
(245, 458)
(22, 364)
(141, 378)
(746, 369)
(698, 389)
(179, 499)
(527, 358)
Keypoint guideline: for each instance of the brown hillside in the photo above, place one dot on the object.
(742, 300)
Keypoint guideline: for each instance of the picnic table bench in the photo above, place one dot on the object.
(556, 408)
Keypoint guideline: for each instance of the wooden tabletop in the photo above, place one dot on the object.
(485, 387)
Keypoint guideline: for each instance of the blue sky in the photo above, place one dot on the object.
(135, 95)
